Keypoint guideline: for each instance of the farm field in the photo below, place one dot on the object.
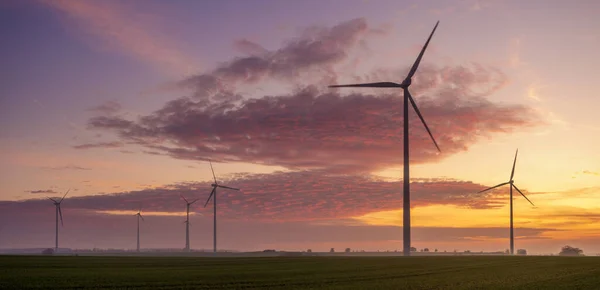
(483, 272)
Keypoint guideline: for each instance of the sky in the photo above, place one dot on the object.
(124, 103)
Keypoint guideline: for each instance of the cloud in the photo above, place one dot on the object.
(68, 167)
(250, 48)
(107, 108)
(282, 210)
(41, 191)
(585, 172)
(118, 231)
(127, 30)
(99, 145)
(591, 173)
(514, 52)
(315, 129)
(293, 196)
(317, 49)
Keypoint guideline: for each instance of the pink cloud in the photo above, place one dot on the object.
(99, 145)
(127, 31)
(316, 129)
(107, 108)
(316, 50)
(291, 196)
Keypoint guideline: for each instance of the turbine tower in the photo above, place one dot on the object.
(58, 213)
(139, 215)
(187, 222)
(407, 98)
(512, 184)
(213, 194)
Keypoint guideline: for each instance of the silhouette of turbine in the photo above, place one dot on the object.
(139, 215)
(213, 194)
(187, 222)
(58, 213)
(512, 184)
(407, 97)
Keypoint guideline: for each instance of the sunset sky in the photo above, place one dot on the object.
(125, 101)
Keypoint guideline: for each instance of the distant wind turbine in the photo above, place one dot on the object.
(58, 213)
(187, 222)
(139, 216)
(512, 184)
(213, 194)
(407, 97)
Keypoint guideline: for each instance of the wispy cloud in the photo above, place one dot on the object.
(316, 50)
(514, 52)
(293, 196)
(67, 167)
(99, 145)
(126, 30)
(107, 108)
(585, 172)
(41, 191)
(591, 172)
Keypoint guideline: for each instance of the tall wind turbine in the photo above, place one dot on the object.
(139, 216)
(512, 184)
(187, 222)
(407, 97)
(58, 213)
(213, 194)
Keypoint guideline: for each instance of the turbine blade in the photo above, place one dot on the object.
(211, 194)
(213, 171)
(184, 198)
(369, 85)
(223, 186)
(64, 195)
(523, 194)
(501, 184)
(52, 199)
(413, 69)
(194, 201)
(421, 117)
(142, 218)
(512, 173)
(60, 213)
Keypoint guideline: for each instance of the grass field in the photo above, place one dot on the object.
(68, 272)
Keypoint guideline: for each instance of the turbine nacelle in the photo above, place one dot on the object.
(406, 83)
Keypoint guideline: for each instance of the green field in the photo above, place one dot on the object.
(69, 272)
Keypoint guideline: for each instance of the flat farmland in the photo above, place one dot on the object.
(464, 272)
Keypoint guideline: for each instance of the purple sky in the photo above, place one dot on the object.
(124, 101)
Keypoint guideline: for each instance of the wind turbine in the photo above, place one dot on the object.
(512, 184)
(187, 222)
(213, 194)
(58, 213)
(407, 97)
(139, 215)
